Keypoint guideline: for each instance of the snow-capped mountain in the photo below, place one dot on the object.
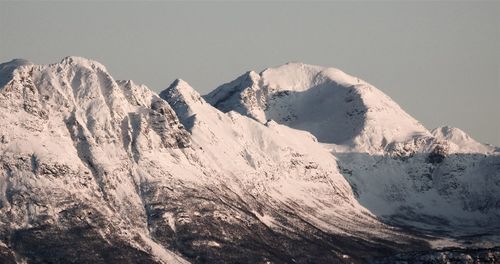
(335, 107)
(398, 169)
(310, 167)
(459, 142)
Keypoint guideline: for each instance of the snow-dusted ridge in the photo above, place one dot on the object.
(320, 172)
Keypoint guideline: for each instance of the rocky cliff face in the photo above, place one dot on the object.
(99, 170)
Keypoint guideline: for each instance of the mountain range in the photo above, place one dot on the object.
(296, 164)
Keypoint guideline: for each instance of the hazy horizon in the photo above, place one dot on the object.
(439, 61)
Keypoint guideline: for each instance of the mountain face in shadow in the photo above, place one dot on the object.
(454, 194)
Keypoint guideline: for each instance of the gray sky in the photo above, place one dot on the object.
(439, 60)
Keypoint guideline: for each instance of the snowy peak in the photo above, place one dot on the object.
(335, 107)
(7, 69)
(83, 92)
(299, 77)
(246, 88)
(182, 92)
(450, 133)
(82, 62)
(459, 141)
(14, 63)
(185, 101)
